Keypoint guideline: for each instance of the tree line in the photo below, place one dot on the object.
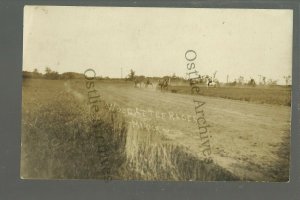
(50, 74)
(240, 81)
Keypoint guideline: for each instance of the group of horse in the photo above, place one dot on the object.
(140, 81)
(206, 80)
(163, 84)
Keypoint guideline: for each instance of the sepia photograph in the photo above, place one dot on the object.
(156, 94)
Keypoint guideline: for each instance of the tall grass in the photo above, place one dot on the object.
(151, 157)
(61, 140)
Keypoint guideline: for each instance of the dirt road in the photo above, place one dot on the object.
(250, 140)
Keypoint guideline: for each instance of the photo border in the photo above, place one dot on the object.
(12, 187)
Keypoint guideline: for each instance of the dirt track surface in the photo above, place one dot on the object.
(250, 140)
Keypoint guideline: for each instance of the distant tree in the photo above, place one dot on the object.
(49, 74)
(252, 82)
(36, 74)
(68, 75)
(264, 80)
(48, 70)
(131, 75)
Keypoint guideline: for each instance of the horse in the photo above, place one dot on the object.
(164, 84)
(148, 82)
(138, 81)
(211, 83)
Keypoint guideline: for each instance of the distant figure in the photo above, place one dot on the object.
(148, 82)
(137, 81)
(163, 84)
(211, 83)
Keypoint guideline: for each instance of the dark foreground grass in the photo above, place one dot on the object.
(61, 140)
(268, 95)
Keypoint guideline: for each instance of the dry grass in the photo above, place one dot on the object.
(151, 157)
(268, 95)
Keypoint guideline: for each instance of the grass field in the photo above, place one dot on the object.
(250, 141)
(269, 95)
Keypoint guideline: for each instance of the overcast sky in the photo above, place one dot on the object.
(153, 41)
